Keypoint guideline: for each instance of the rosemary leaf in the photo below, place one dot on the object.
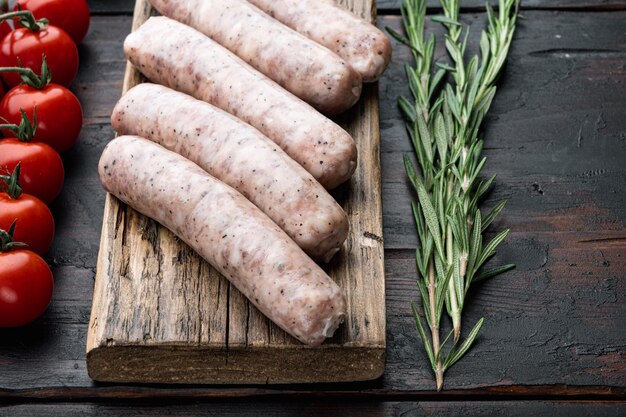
(490, 249)
(429, 213)
(440, 294)
(445, 20)
(484, 186)
(425, 301)
(425, 339)
(459, 285)
(458, 353)
(425, 137)
(441, 138)
(435, 82)
(475, 247)
(490, 273)
(492, 215)
(398, 37)
(408, 111)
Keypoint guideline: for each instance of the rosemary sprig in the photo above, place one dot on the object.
(443, 124)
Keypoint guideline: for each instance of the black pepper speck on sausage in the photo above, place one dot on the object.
(175, 55)
(302, 66)
(227, 230)
(242, 157)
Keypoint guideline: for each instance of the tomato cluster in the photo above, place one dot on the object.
(26, 281)
(40, 119)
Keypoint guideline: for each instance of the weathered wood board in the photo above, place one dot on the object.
(162, 315)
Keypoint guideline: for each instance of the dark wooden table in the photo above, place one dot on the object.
(554, 340)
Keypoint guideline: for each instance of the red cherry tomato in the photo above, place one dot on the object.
(59, 113)
(26, 286)
(42, 168)
(35, 224)
(70, 15)
(23, 45)
(5, 29)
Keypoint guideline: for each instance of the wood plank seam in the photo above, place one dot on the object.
(492, 394)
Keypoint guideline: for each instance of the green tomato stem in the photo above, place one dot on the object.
(11, 181)
(25, 132)
(26, 19)
(29, 77)
(6, 239)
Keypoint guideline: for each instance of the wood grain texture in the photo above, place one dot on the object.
(469, 6)
(172, 393)
(327, 409)
(554, 326)
(162, 314)
(392, 6)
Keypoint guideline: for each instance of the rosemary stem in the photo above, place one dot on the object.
(434, 324)
(454, 303)
(452, 296)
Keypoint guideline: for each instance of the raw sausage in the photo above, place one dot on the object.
(227, 230)
(188, 61)
(302, 66)
(239, 155)
(365, 47)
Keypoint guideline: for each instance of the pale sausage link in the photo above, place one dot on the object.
(175, 55)
(363, 45)
(238, 154)
(227, 230)
(302, 66)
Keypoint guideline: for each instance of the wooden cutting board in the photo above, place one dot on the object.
(163, 315)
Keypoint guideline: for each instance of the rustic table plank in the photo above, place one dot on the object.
(557, 319)
(111, 7)
(392, 6)
(330, 409)
(567, 331)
